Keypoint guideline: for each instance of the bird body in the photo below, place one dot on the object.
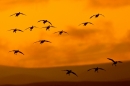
(114, 62)
(60, 32)
(31, 28)
(85, 23)
(96, 69)
(42, 41)
(45, 21)
(14, 30)
(69, 72)
(48, 27)
(96, 15)
(17, 14)
(16, 51)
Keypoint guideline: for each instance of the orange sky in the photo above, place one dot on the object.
(108, 37)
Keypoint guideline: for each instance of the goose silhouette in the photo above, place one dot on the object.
(70, 72)
(17, 14)
(16, 51)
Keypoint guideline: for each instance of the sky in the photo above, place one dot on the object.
(91, 44)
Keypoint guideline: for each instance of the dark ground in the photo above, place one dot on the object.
(116, 83)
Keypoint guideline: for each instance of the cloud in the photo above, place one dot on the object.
(67, 49)
(82, 33)
(108, 3)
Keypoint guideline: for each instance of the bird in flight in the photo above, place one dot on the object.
(69, 72)
(114, 62)
(16, 51)
(48, 27)
(96, 69)
(32, 27)
(17, 14)
(60, 32)
(85, 23)
(44, 21)
(42, 41)
(14, 30)
(96, 15)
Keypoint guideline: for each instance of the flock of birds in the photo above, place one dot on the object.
(60, 32)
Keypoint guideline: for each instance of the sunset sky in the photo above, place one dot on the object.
(91, 44)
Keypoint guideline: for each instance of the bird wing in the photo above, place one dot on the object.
(65, 70)
(56, 32)
(22, 13)
(40, 20)
(119, 61)
(92, 16)
(102, 15)
(101, 69)
(44, 27)
(111, 59)
(47, 41)
(27, 28)
(35, 26)
(74, 73)
(65, 32)
(13, 14)
(90, 69)
(90, 23)
(11, 51)
(21, 52)
(53, 26)
(10, 29)
(37, 41)
(81, 23)
(49, 22)
(19, 30)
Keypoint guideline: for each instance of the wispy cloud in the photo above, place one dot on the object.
(108, 3)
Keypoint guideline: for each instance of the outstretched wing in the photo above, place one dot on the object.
(49, 22)
(53, 26)
(47, 41)
(21, 52)
(11, 51)
(90, 69)
(90, 23)
(102, 69)
(35, 26)
(44, 27)
(13, 14)
(80, 24)
(65, 32)
(74, 73)
(111, 59)
(37, 41)
(19, 30)
(56, 32)
(10, 29)
(65, 70)
(27, 28)
(22, 13)
(40, 20)
(119, 61)
(102, 15)
(92, 16)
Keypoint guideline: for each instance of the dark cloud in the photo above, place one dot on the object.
(108, 3)
(82, 33)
